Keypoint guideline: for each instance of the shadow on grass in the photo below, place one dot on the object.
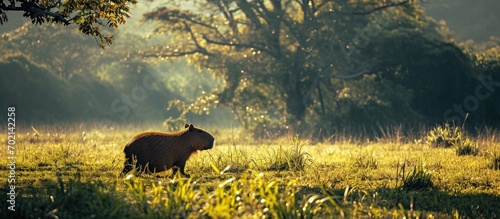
(74, 199)
(425, 201)
(469, 205)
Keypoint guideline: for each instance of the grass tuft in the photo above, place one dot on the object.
(366, 160)
(294, 158)
(494, 160)
(467, 147)
(418, 179)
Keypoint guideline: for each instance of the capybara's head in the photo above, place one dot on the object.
(199, 138)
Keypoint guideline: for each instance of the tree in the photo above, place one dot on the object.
(90, 16)
(277, 57)
(436, 85)
(487, 64)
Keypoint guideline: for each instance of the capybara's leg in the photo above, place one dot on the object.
(176, 169)
(181, 169)
(127, 167)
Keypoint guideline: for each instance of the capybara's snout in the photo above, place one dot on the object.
(211, 143)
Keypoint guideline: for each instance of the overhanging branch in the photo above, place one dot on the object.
(35, 10)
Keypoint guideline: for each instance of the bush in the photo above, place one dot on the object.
(452, 136)
(444, 136)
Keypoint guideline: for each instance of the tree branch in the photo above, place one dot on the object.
(240, 45)
(246, 8)
(346, 76)
(173, 54)
(228, 15)
(200, 48)
(34, 10)
(378, 8)
(173, 16)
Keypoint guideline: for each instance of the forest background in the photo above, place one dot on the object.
(418, 64)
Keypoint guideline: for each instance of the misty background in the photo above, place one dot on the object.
(55, 74)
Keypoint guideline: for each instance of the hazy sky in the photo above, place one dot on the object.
(15, 20)
(469, 19)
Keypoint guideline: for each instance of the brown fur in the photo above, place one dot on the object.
(158, 151)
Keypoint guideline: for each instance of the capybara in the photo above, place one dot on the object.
(156, 151)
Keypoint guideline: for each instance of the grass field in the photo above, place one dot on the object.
(72, 171)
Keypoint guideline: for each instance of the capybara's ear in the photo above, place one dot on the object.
(191, 127)
(186, 126)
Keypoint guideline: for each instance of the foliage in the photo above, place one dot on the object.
(444, 136)
(487, 64)
(410, 56)
(70, 59)
(46, 97)
(336, 64)
(332, 65)
(278, 68)
(366, 102)
(90, 16)
(452, 136)
(85, 82)
(356, 65)
(33, 84)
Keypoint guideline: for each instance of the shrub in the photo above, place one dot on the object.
(452, 136)
(444, 136)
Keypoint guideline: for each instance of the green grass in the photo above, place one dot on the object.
(73, 172)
